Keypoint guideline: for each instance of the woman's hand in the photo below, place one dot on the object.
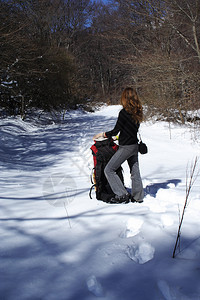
(98, 135)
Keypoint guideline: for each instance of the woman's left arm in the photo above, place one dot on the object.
(98, 135)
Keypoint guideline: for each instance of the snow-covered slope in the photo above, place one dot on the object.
(57, 243)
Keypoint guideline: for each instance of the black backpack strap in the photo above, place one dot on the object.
(92, 176)
(90, 193)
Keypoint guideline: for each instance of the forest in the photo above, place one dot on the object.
(60, 54)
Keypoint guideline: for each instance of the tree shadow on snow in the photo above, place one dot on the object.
(57, 262)
(152, 189)
(34, 150)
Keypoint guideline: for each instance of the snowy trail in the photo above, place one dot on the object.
(88, 249)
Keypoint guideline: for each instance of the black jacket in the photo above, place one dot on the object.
(127, 127)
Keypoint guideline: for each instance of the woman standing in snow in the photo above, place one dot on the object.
(127, 125)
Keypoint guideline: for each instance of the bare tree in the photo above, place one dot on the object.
(164, 62)
(184, 18)
(36, 41)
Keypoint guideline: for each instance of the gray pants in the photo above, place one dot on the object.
(129, 153)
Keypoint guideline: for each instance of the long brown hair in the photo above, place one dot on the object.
(132, 104)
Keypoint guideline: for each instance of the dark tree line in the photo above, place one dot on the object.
(58, 53)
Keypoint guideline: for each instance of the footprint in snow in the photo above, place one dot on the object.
(172, 293)
(156, 206)
(142, 253)
(94, 286)
(133, 227)
(167, 220)
(165, 290)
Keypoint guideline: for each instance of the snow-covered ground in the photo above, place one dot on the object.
(57, 243)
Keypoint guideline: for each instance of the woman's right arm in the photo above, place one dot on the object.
(98, 135)
(118, 126)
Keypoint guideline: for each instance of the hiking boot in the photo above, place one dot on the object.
(120, 199)
(134, 200)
